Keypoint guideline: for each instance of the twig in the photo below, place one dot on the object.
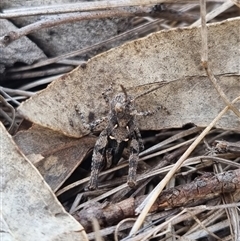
(204, 59)
(128, 34)
(158, 153)
(144, 208)
(64, 18)
(72, 62)
(221, 206)
(81, 7)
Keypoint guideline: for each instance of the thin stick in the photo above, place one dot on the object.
(81, 7)
(204, 36)
(204, 59)
(219, 90)
(68, 18)
(124, 91)
(144, 208)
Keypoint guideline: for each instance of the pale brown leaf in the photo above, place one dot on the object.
(163, 56)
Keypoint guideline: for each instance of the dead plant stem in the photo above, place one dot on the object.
(80, 7)
(66, 18)
(204, 58)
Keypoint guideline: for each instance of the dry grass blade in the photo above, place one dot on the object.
(219, 90)
(4, 94)
(18, 92)
(204, 59)
(96, 229)
(10, 120)
(119, 224)
(226, 5)
(169, 140)
(185, 215)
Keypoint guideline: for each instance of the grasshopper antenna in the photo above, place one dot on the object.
(124, 91)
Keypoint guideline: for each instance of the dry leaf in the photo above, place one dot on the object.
(163, 56)
(55, 156)
(29, 209)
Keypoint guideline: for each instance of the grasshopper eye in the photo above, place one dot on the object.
(127, 139)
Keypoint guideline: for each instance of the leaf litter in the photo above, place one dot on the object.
(188, 96)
